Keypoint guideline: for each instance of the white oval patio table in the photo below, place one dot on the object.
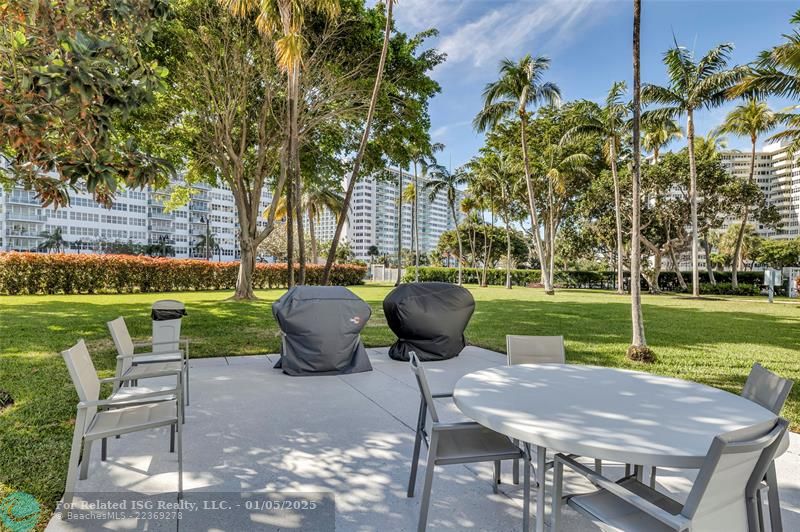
(603, 413)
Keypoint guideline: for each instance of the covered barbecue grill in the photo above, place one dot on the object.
(428, 318)
(321, 328)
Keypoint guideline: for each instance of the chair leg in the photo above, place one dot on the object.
(179, 432)
(653, 477)
(72, 468)
(426, 488)
(627, 470)
(186, 378)
(774, 500)
(558, 487)
(598, 466)
(526, 493)
(516, 464)
(86, 458)
(496, 476)
(103, 449)
(412, 480)
(172, 429)
(760, 511)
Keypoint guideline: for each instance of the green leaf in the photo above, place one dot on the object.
(19, 39)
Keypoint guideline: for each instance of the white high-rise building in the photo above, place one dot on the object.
(140, 217)
(372, 219)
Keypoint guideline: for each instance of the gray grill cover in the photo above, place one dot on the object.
(321, 326)
(428, 318)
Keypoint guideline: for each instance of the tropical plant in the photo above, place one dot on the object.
(207, 245)
(351, 183)
(421, 158)
(638, 349)
(373, 252)
(658, 134)
(519, 87)
(53, 241)
(610, 124)
(751, 120)
(316, 198)
(443, 181)
(693, 85)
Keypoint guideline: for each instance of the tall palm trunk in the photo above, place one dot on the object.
(693, 200)
(294, 78)
(707, 250)
(458, 238)
(312, 234)
(737, 250)
(399, 228)
(617, 216)
(638, 349)
(415, 221)
(548, 288)
(351, 184)
(289, 223)
(508, 253)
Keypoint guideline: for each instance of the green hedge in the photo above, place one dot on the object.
(58, 273)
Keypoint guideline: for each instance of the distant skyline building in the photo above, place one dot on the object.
(140, 217)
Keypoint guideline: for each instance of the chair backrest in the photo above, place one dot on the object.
(122, 341)
(81, 370)
(735, 460)
(535, 349)
(766, 388)
(422, 382)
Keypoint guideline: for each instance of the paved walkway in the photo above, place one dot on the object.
(308, 443)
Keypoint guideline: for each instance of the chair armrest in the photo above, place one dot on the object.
(678, 522)
(127, 401)
(168, 342)
(166, 373)
(138, 355)
(441, 395)
(460, 425)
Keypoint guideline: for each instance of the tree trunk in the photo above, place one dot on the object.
(460, 247)
(312, 234)
(297, 178)
(247, 267)
(618, 218)
(693, 201)
(548, 289)
(652, 278)
(737, 251)
(552, 232)
(361, 147)
(399, 228)
(508, 253)
(676, 268)
(289, 229)
(638, 349)
(709, 267)
(415, 220)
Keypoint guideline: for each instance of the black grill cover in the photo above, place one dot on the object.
(321, 326)
(428, 318)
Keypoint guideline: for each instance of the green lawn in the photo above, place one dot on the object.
(710, 341)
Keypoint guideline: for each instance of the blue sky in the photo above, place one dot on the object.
(588, 43)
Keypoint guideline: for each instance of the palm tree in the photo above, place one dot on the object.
(421, 159)
(777, 71)
(693, 85)
(658, 134)
(52, 241)
(469, 208)
(442, 180)
(315, 199)
(558, 166)
(399, 226)
(410, 195)
(638, 349)
(351, 184)
(207, 245)
(750, 119)
(520, 86)
(609, 124)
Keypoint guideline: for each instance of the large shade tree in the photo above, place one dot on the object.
(520, 87)
(693, 85)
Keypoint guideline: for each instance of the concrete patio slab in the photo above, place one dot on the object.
(262, 448)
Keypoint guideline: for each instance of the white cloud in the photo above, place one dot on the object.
(441, 131)
(504, 30)
(417, 15)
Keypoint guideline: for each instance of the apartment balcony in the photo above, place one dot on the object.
(22, 233)
(164, 230)
(25, 217)
(162, 215)
(22, 200)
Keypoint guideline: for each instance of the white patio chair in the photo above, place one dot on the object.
(769, 390)
(535, 350)
(100, 419)
(718, 500)
(463, 443)
(133, 366)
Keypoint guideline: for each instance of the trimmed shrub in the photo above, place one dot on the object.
(58, 273)
(726, 289)
(429, 274)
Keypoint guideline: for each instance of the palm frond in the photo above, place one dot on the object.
(493, 114)
(656, 94)
(714, 61)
